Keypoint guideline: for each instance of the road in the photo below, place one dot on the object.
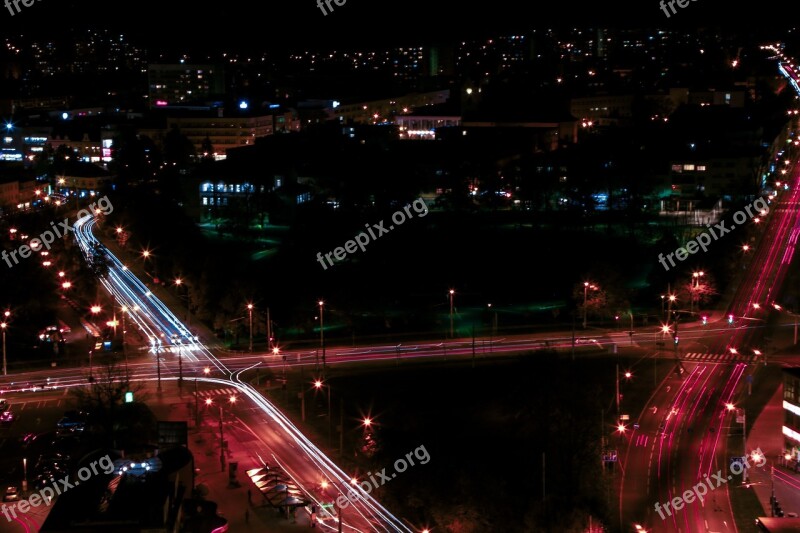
(287, 445)
(685, 430)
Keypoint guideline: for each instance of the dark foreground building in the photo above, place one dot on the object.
(142, 494)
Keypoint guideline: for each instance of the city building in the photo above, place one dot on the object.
(142, 494)
(791, 413)
(386, 109)
(422, 124)
(215, 132)
(179, 83)
(17, 187)
(82, 179)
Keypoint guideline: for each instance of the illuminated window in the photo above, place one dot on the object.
(677, 168)
(688, 167)
(701, 168)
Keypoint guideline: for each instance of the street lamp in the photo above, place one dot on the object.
(452, 292)
(250, 313)
(586, 287)
(695, 287)
(321, 333)
(4, 325)
(493, 327)
(124, 349)
(179, 282)
(730, 407)
(318, 384)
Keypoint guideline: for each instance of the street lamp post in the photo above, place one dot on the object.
(221, 441)
(741, 410)
(695, 286)
(452, 292)
(124, 348)
(250, 314)
(318, 384)
(179, 282)
(4, 325)
(586, 287)
(322, 333)
(617, 397)
(158, 363)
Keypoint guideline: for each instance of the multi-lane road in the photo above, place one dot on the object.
(283, 441)
(683, 433)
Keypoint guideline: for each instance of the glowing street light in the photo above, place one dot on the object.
(452, 292)
(96, 309)
(3, 326)
(250, 314)
(586, 287)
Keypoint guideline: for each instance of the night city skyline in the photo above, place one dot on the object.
(414, 267)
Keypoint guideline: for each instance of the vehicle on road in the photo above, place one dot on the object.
(6, 417)
(11, 495)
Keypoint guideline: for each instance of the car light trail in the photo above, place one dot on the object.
(157, 321)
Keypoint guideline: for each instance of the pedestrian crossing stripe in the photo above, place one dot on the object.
(720, 357)
(230, 391)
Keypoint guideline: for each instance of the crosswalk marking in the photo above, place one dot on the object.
(230, 391)
(719, 357)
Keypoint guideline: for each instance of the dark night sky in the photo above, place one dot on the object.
(296, 23)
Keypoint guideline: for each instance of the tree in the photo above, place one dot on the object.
(698, 290)
(596, 300)
(207, 149)
(104, 399)
(178, 149)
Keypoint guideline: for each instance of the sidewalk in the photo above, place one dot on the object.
(232, 501)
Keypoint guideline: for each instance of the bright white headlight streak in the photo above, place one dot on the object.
(125, 286)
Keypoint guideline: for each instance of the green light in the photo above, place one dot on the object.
(129, 397)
